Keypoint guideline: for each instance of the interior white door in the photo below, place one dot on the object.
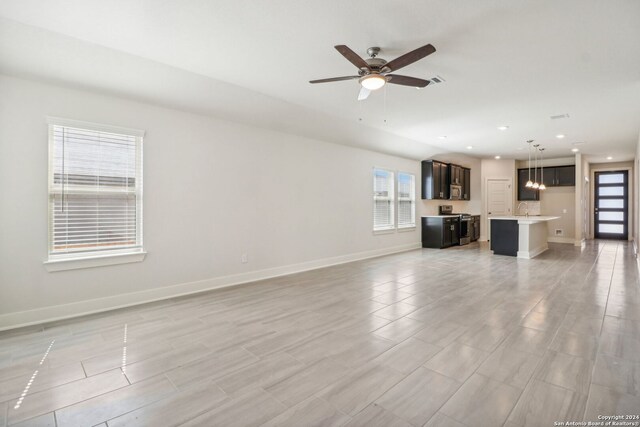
(499, 199)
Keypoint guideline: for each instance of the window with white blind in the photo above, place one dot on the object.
(406, 200)
(383, 200)
(95, 190)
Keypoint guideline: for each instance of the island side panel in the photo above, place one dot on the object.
(533, 239)
(504, 237)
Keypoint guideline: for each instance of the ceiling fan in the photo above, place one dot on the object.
(374, 72)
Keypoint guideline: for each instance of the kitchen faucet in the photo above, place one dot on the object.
(526, 212)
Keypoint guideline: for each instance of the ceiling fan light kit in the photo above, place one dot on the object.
(374, 72)
(372, 81)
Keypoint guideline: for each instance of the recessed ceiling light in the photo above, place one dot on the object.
(503, 127)
(609, 158)
(560, 136)
(469, 147)
(575, 150)
(497, 157)
(442, 137)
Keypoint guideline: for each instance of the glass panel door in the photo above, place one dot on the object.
(611, 205)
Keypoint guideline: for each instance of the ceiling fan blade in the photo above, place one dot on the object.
(334, 79)
(407, 81)
(352, 57)
(364, 93)
(411, 57)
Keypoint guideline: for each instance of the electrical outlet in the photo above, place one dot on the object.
(244, 258)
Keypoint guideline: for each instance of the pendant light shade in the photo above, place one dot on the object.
(529, 183)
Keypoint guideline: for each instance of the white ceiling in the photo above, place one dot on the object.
(509, 62)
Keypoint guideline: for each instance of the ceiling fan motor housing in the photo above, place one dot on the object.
(376, 65)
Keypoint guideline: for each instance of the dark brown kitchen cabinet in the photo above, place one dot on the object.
(466, 184)
(553, 176)
(558, 176)
(461, 176)
(474, 228)
(547, 177)
(525, 193)
(565, 176)
(440, 231)
(435, 180)
(455, 175)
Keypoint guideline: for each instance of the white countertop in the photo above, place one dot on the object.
(522, 219)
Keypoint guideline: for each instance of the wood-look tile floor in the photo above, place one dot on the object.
(455, 337)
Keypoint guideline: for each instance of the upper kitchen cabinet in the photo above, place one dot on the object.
(466, 184)
(525, 193)
(460, 176)
(558, 176)
(553, 176)
(565, 176)
(547, 176)
(435, 180)
(455, 175)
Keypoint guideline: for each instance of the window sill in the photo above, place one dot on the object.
(93, 261)
(385, 231)
(403, 229)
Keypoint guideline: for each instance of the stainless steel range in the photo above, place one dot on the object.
(465, 219)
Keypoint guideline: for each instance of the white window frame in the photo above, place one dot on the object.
(68, 261)
(412, 199)
(391, 227)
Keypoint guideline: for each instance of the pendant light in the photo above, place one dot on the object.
(542, 186)
(535, 185)
(529, 183)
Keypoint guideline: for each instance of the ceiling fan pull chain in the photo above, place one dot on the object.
(384, 109)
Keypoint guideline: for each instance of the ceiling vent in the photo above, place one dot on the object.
(560, 116)
(436, 79)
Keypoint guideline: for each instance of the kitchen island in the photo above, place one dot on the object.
(521, 236)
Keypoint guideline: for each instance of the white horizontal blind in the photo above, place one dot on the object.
(383, 199)
(95, 191)
(406, 200)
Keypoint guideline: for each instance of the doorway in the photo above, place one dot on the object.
(499, 200)
(611, 205)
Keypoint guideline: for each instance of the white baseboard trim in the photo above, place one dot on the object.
(534, 252)
(555, 239)
(92, 306)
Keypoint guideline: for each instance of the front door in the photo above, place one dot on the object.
(611, 205)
